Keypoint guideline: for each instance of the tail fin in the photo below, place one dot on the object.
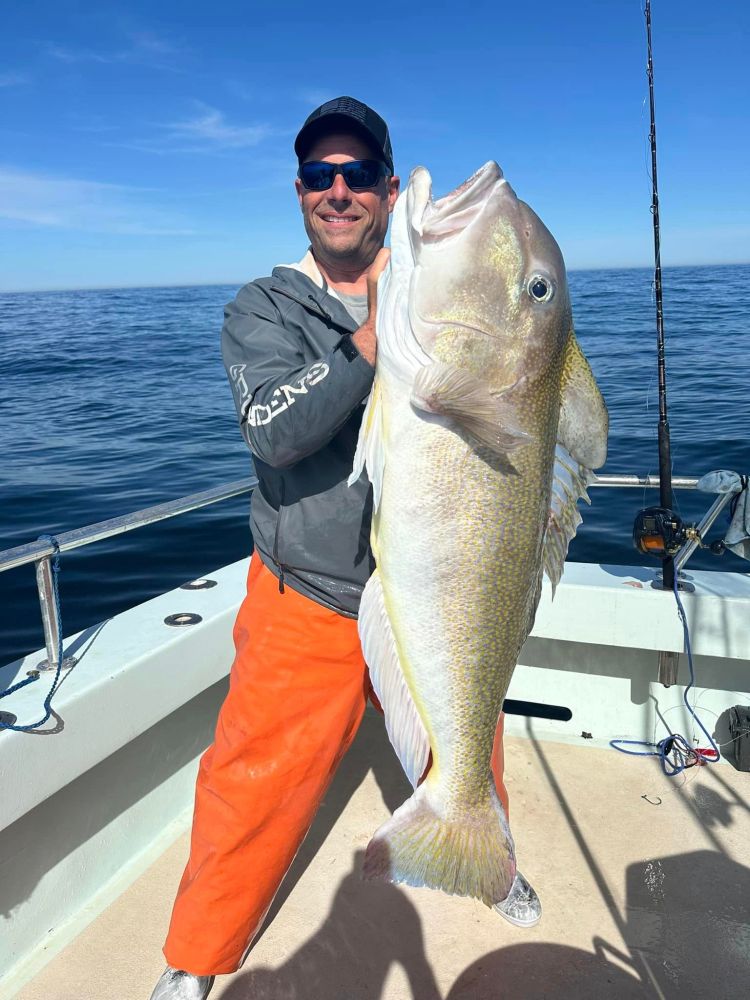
(470, 856)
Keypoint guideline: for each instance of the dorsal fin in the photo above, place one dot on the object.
(569, 482)
(584, 423)
(581, 447)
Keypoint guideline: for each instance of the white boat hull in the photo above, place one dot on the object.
(85, 810)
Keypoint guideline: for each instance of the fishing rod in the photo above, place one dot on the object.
(657, 530)
(665, 458)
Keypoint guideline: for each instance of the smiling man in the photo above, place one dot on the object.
(300, 349)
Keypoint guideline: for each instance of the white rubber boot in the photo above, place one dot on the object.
(521, 906)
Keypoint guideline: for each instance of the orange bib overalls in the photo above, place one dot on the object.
(298, 690)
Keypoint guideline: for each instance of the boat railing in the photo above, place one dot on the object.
(44, 549)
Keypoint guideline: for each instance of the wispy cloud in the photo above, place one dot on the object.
(14, 79)
(149, 41)
(92, 206)
(314, 97)
(209, 126)
(237, 88)
(142, 47)
(206, 131)
(94, 124)
(70, 56)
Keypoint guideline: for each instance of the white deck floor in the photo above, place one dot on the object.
(643, 897)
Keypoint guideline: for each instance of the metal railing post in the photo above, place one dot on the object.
(46, 589)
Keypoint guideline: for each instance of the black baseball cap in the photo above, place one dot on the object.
(349, 115)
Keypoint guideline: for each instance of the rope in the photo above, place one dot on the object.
(58, 671)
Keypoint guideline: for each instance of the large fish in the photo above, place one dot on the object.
(482, 425)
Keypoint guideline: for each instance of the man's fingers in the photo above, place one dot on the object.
(378, 266)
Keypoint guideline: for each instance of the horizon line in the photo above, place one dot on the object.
(240, 284)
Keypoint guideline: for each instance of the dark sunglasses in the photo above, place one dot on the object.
(358, 174)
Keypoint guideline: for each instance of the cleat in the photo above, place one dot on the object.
(521, 906)
(178, 985)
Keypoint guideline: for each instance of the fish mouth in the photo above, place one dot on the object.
(454, 212)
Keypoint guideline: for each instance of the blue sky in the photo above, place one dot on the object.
(150, 143)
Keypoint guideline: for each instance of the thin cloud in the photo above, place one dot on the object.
(143, 48)
(94, 125)
(315, 97)
(210, 127)
(147, 41)
(238, 89)
(207, 131)
(71, 56)
(91, 206)
(14, 79)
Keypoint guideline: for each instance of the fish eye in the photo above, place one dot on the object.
(540, 289)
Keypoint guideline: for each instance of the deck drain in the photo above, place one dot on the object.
(182, 618)
(198, 585)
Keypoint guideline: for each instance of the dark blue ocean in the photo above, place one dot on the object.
(115, 400)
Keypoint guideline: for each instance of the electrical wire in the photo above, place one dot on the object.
(675, 753)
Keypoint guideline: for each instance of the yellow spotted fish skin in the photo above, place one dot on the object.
(467, 425)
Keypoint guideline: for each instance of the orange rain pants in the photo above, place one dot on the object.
(298, 689)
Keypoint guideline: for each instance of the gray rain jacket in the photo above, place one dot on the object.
(299, 385)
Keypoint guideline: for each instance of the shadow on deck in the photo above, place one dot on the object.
(685, 923)
(643, 882)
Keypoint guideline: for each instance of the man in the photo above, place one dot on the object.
(300, 349)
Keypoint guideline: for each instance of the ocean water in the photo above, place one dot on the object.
(115, 400)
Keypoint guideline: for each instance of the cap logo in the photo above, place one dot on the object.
(346, 106)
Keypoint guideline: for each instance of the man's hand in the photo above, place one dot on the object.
(364, 339)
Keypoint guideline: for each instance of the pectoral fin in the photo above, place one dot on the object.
(584, 422)
(483, 413)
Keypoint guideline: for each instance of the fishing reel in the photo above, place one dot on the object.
(661, 533)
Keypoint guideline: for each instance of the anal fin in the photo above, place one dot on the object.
(405, 728)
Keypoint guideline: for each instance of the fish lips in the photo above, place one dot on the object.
(447, 217)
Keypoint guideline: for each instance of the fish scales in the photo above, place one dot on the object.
(480, 387)
(471, 580)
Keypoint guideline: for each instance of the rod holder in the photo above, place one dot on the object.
(713, 512)
(668, 664)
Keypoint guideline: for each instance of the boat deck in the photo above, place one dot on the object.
(644, 881)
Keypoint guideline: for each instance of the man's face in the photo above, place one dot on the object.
(346, 226)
